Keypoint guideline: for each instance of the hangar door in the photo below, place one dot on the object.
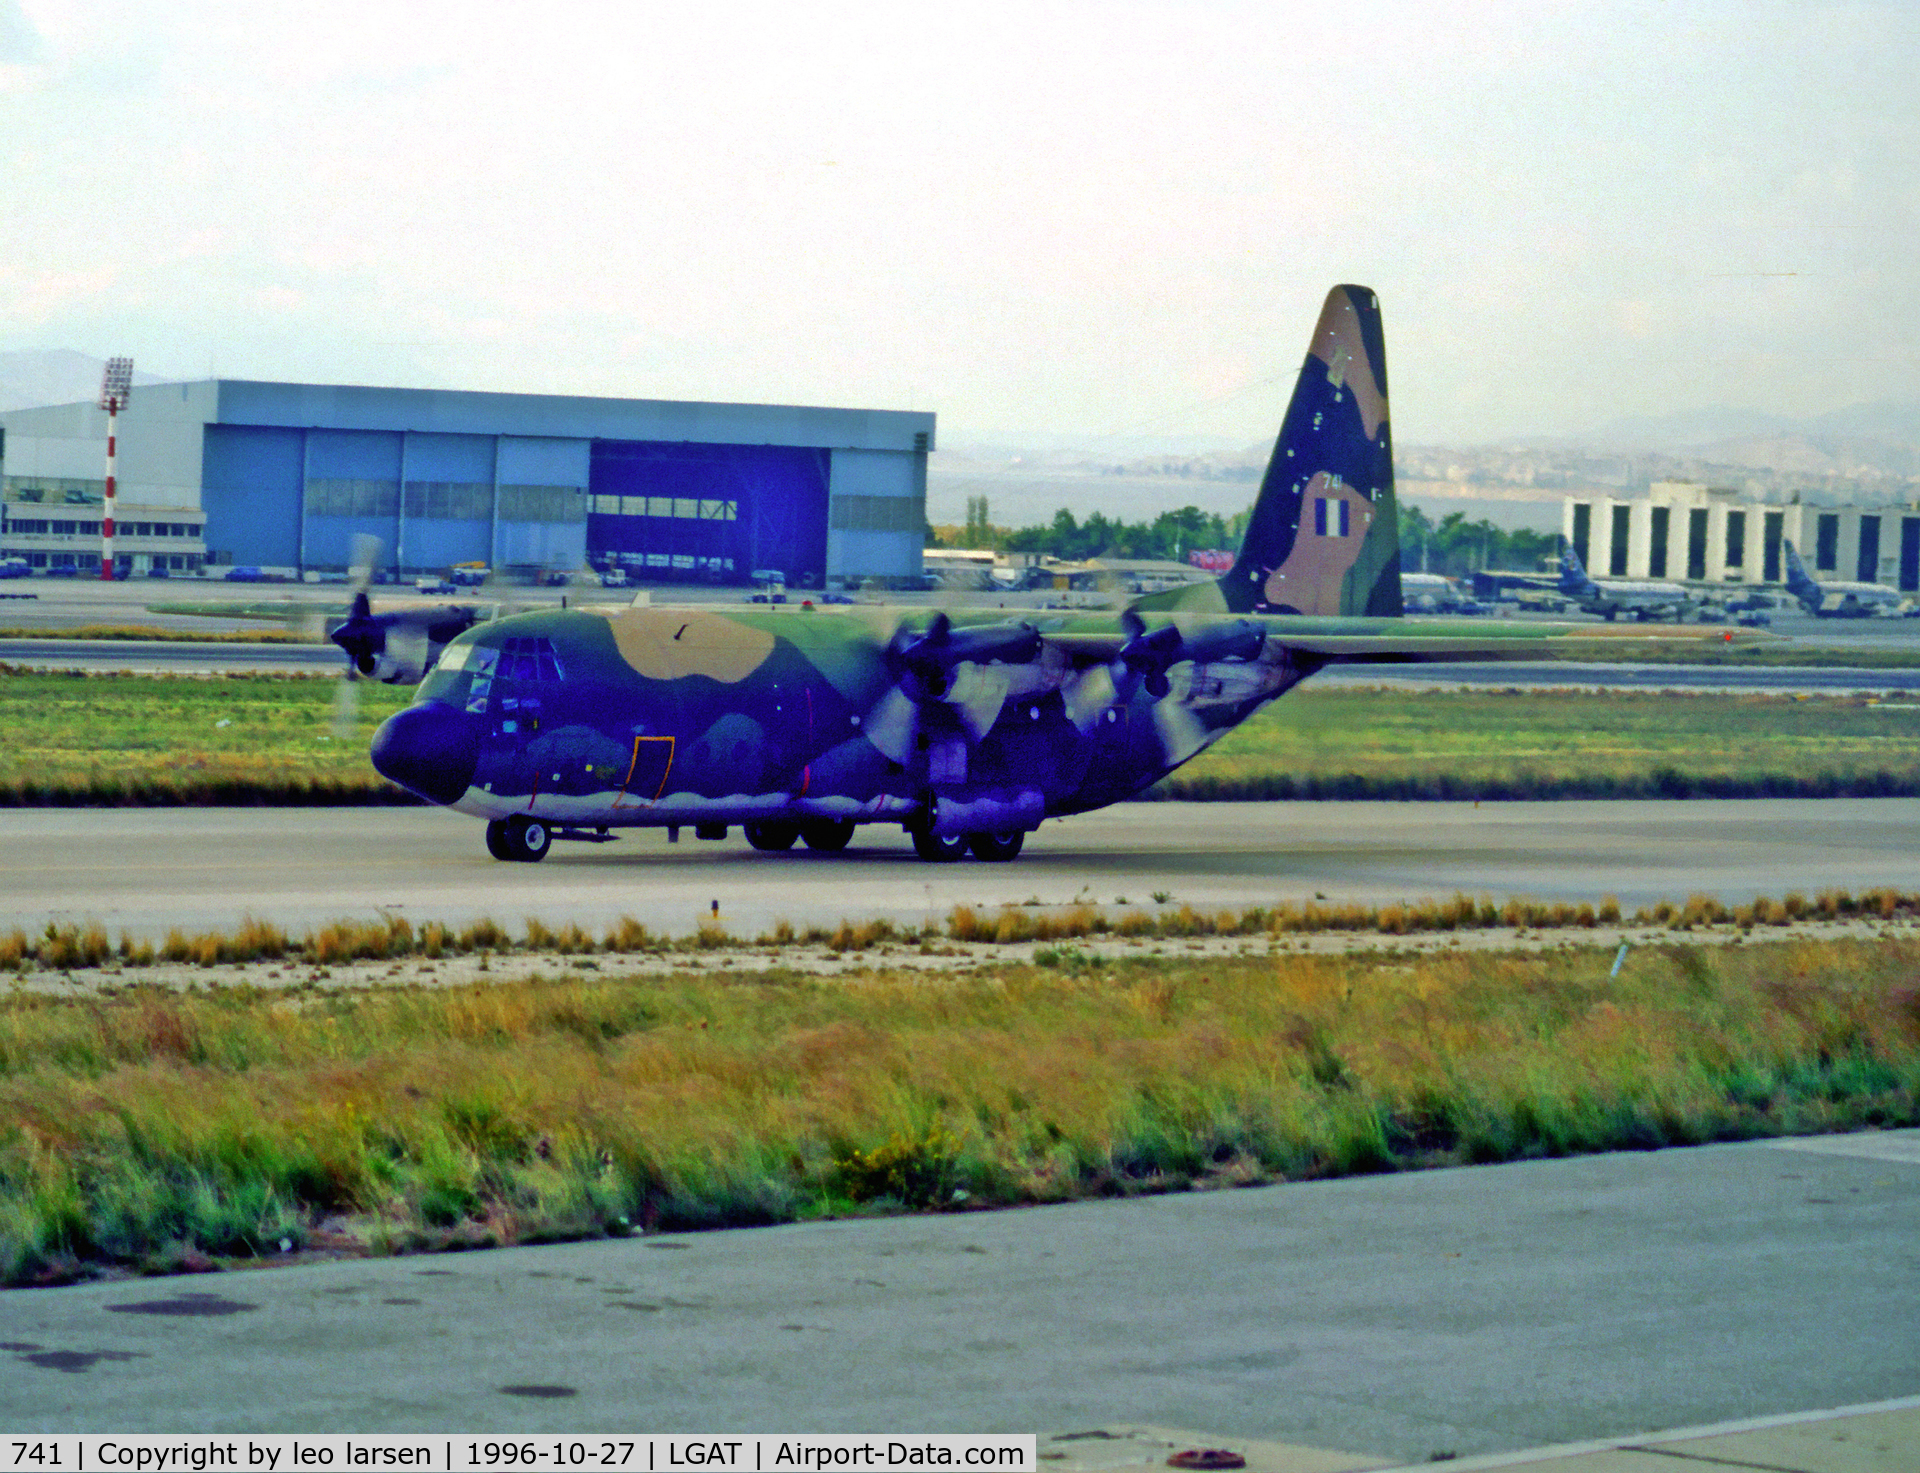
(708, 513)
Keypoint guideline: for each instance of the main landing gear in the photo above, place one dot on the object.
(527, 840)
(994, 848)
(824, 835)
(519, 838)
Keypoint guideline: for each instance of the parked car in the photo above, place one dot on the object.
(433, 585)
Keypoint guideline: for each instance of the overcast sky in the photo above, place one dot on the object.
(1084, 219)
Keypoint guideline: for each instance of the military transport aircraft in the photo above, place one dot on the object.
(965, 728)
(1840, 600)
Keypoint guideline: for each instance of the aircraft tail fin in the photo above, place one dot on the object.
(1799, 582)
(1573, 572)
(1324, 537)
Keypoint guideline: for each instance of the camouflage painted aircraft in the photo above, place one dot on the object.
(966, 728)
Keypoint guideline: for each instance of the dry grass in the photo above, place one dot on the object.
(141, 1127)
(72, 947)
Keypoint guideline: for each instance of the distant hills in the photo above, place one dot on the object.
(35, 376)
(1866, 450)
(1697, 430)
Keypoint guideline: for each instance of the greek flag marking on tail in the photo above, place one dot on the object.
(1335, 449)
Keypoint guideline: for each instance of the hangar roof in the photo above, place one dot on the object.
(459, 411)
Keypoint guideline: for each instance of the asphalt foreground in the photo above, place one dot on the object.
(143, 871)
(1469, 1311)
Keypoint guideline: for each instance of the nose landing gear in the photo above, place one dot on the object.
(519, 838)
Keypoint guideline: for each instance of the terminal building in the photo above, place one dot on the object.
(1698, 534)
(225, 472)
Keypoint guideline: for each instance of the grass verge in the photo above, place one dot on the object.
(77, 739)
(153, 1130)
(71, 947)
(1476, 744)
(163, 741)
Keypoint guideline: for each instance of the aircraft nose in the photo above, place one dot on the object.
(431, 749)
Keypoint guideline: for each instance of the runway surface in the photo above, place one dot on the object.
(1466, 1311)
(170, 657)
(1570, 675)
(144, 870)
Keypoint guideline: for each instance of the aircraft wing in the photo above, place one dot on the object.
(1483, 640)
(1386, 641)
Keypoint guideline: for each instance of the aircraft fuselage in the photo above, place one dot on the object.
(663, 716)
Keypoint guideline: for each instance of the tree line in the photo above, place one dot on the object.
(1168, 537)
(1453, 545)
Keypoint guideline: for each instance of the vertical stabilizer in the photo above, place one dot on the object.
(1800, 583)
(1324, 537)
(1573, 574)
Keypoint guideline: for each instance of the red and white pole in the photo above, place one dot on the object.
(115, 385)
(106, 509)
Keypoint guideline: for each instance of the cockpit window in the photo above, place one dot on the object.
(529, 659)
(454, 658)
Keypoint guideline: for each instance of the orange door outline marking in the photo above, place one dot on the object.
(633, 766)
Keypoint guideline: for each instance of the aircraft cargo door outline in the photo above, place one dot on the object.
(651, 754)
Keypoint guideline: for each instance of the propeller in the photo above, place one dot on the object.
(944, 690)
(362, 637)
(398, 646)
(1145, 659)
(1146, 656)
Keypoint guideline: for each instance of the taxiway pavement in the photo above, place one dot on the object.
(1468, 1311)
(145, 870)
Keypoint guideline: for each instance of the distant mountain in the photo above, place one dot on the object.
(1715, 427)
(30, 377)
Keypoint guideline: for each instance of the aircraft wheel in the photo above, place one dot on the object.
(936, 850)
(497, 839)
(828, 835)
(772, 837)
(996, 848)
(521, 838)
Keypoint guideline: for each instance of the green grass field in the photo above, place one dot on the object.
(267, 739)
(1344, 743)
(185, 739)
(154, 1130)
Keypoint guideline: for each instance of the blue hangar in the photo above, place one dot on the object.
(285, 475)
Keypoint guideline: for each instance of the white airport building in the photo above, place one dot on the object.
(1691, 533)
